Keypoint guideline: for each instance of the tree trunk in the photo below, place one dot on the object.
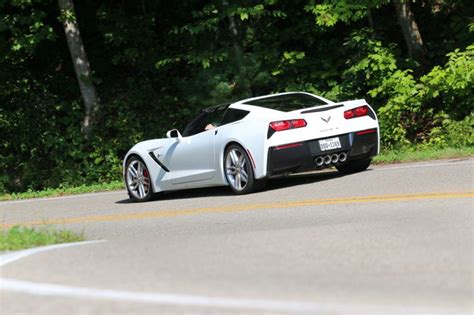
(81, 65)
(243, 84)
(410, 30)
(370, 19)
(235, 41)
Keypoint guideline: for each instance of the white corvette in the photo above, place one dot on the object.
(242, 144)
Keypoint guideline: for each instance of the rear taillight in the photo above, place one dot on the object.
(349, 114)
(287, 124)
(356, 112)
(298, 123)
(280, 125)
(364, 132)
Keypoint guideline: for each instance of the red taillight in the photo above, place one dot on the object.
(280, 125)
(287, 124)
(298, 123)
(286, 146)
(361, 111)
(349, 114)
(364, 132)
(356, 112)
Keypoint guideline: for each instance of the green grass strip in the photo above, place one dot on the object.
(55, 192)
(19, 237)
(420, 153)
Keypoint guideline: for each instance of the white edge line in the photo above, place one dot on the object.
(47, 289)
(383, 168)
(8, 257)
(65, 197)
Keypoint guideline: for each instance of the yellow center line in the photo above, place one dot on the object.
(244, 207)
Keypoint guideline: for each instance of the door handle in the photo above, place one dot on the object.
(215, 132)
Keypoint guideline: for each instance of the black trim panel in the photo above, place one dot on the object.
(317, 110)
(300, 158)
(158, 162)
(371, 113)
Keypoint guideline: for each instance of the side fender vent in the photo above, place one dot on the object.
(158, 162)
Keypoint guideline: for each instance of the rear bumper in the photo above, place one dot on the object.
(299, 157)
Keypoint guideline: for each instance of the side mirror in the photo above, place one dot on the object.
(174, 133)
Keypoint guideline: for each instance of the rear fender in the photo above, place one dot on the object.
(251, 136)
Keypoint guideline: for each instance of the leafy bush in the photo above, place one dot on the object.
(414, 110)
(450, 133)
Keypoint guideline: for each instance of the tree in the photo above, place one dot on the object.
(81, 65)
(410, 30)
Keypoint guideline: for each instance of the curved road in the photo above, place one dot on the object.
(395, 239)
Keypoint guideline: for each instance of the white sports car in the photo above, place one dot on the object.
(242, 144)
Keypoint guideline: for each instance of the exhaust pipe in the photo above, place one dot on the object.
(343, 157)
(327, 159)
(334, 158)
(319, 161)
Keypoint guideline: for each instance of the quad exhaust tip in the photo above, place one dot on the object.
(330, 159)
(342, 157)
(319, 161)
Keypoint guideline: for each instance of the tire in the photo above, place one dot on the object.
(239, 171)
(137, 180)
(355, 166)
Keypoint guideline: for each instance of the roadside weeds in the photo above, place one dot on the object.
(20, 237)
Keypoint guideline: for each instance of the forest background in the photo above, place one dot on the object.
(81, 82)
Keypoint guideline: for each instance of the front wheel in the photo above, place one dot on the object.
(238, 170)
(354, 166)
(137, 179)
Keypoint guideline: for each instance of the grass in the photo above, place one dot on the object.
(408, 154)
(19, 237)
(55, 192)
(412, 154)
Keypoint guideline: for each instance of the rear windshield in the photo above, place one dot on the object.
(288, 102)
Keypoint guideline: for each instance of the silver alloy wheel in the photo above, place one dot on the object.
(138, 179)
(237, 169)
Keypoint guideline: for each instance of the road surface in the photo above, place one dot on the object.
(395, 239)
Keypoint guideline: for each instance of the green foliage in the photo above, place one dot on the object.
(330, 12)
(19, 237)
(416, 110)
(451, 133)
(408, 107)
(25, 27)
(369, 65)
(453, 83)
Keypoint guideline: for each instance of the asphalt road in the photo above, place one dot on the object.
(395, 239)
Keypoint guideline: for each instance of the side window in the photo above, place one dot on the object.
(204, 121)
(194, 126)
(215, 118)
(232, 115)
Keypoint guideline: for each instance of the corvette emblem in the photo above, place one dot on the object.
(326, 120)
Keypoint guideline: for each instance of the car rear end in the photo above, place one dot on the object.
(322, 136)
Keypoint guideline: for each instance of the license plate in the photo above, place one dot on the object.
(330, 144)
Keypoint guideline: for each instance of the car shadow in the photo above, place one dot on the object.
(276, 183)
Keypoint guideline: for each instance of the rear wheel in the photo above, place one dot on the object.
(137, 179)
(239, 171)
(354, 166)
